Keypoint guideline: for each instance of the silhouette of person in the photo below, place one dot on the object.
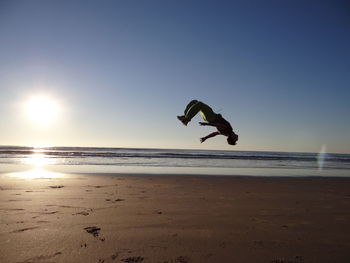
(212, 119)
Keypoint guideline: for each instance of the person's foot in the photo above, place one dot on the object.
(183, 120)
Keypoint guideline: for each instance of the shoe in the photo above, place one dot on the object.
(183, 120)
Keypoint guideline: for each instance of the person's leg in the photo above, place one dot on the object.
(192, 102)
(188, 107)
(206, 112)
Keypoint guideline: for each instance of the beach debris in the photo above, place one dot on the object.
(94, 230)
(133, 259)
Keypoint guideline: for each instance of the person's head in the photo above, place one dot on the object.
(232, 139)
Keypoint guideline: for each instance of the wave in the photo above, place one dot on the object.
(91, 152)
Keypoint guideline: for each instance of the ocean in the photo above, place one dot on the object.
(173, 161)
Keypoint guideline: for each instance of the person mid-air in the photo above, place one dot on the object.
(212, 119)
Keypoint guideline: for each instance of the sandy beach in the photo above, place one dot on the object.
(174, 219)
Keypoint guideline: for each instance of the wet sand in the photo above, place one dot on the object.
(174, 219)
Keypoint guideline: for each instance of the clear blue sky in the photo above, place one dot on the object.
(121, 71)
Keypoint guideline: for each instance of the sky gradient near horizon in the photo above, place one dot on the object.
(121, 71)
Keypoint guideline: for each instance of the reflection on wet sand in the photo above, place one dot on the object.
(37, 161)
(37, 173)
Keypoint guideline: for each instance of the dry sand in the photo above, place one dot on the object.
(174, 219)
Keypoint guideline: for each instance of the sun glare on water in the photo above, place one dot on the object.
(41, 110)
(38, 160)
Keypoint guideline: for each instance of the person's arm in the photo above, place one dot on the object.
(217, 125)
(209, 136)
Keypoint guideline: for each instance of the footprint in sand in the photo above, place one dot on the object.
(118, 200)
(114, 256)
(182, 259)
(83, 245)
(24, 229)
(133, 259)
(115, 200)
(95, 231)
(42, 258)
(19, 200)
(49, 213)
(297, 259)
(84, 213)
(12, 209)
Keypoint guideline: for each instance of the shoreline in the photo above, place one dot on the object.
(174, 219)
(175, 171)
(212, 175)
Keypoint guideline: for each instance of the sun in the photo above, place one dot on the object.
(41, 110)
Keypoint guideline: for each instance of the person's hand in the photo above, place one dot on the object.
(203, 123)
(202, 139)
